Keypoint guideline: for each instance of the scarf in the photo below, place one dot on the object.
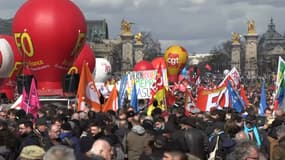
(255, 132)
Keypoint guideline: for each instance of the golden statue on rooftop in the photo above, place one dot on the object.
(125, 27)
(236, 38)
(251, 27)
(138, 37)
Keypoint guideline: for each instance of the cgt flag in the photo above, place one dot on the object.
(158, 90)
(87, 91)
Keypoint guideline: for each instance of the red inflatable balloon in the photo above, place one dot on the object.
(10, 83)
(143, 66)
(86, 55)
(158, 61)
(50, 35)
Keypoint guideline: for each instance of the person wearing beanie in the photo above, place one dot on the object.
(32, 152)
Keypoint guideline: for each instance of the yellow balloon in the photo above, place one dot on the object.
(175, 57)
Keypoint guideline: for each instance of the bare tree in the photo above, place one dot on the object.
(151, 47)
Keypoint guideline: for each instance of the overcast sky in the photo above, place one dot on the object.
(198, 25)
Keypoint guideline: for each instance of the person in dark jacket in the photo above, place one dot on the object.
(190, 139)
(26, 134)
(68, 139)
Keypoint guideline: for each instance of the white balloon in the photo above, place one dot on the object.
(7, 56)
(102, 70)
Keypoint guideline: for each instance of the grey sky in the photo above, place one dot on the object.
(198, 25)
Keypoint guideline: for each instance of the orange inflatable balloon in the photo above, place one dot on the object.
(175, 57)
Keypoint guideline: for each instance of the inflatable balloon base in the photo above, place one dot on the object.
(50, 92)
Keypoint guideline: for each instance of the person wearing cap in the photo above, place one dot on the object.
(32, 152)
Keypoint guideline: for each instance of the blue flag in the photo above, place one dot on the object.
(262, 103)
(122, 90)
(236, 101)
(134, 98)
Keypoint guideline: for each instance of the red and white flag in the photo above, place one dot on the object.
(212, 98)
(158, 90)
(234, 77)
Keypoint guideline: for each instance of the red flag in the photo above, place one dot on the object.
(112, 102)
(87, 91)
(212, 98)
(243, 95)
(208, 67)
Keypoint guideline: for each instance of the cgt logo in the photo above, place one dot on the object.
(173, 59)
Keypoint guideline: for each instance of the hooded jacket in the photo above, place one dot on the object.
(135, 141)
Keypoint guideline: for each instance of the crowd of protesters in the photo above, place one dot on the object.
(162, 133)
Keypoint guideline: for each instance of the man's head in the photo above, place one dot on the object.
(59, 152)
(41, 125)
(25, 127)
(268, 112)
(174, 155)
(244, 150)
(95, 128)
(102, 148)
(54, 132)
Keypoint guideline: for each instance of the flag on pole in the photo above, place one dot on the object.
(243, 95)
(262, 103)
(87, 91)
(236, 101)
(134, 98)
(280, 83)
(25, 99)
(112, 102)
(208, 67)
(158, 89)
(122, 90)
(212, 98)
(30, 103)
(234, 77)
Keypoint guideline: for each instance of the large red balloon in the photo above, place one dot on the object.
(86, 56)
(10, 82)
(143, 66)
(50, 35)
(158, 61)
